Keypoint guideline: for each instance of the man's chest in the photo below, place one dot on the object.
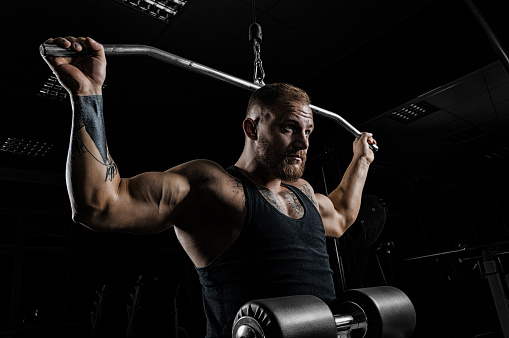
(285, 200)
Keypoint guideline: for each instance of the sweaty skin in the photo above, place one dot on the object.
(204, 204)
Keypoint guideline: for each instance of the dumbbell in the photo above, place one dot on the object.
(380, 312)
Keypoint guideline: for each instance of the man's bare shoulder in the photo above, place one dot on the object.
(212, 189)
(199, 170)
(204, 173)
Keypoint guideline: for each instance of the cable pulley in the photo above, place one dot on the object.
(255, 33)
(255, 38)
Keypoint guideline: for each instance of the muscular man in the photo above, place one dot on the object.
(255, 230)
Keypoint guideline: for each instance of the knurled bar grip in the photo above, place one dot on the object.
(152, 52)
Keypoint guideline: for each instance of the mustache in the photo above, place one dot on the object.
(300, 154)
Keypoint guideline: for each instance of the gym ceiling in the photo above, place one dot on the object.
(362, 59)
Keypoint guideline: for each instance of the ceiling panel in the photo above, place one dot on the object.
(495, 74)
(498, 128)
(361, 21)
(471, 105)
(480, 116)
(204, 29)
(420, 136)
(500, 93)
(448, 129)
(461, 90)
(502, 108)
(313, 58)
(308, 16)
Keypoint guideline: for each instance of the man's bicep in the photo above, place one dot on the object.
(332, 219)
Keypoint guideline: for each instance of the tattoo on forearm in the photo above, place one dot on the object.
(78, 147)
(88, 112)
(111, 170)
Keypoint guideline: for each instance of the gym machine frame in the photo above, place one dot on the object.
(52, 50)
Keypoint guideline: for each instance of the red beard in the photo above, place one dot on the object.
(278, 166)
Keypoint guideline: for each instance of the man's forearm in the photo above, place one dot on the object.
(92, 175)
(347, 196)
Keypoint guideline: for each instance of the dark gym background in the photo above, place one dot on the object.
(442, 178)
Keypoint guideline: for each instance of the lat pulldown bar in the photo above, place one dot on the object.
(160, 55)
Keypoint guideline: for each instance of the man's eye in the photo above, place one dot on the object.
(290, 128)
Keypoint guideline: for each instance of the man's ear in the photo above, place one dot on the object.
(250, 128)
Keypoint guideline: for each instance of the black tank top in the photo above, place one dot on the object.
(274, 256)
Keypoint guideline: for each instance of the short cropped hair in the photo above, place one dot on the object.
(268, 95)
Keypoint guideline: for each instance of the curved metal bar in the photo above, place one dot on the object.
(154, 53)
(160, 55)
(344, 123)
(491, 34)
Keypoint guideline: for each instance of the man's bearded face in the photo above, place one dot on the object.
(283, 166)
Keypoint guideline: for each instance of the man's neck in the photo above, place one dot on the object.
(259, 177)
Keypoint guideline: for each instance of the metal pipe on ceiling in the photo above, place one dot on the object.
(491, 34)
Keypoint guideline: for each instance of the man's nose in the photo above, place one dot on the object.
(301, 141)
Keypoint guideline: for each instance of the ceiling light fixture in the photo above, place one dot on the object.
(26, 147)
(412, 112)
(497, 154)
(53, 90)
(163, 10)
